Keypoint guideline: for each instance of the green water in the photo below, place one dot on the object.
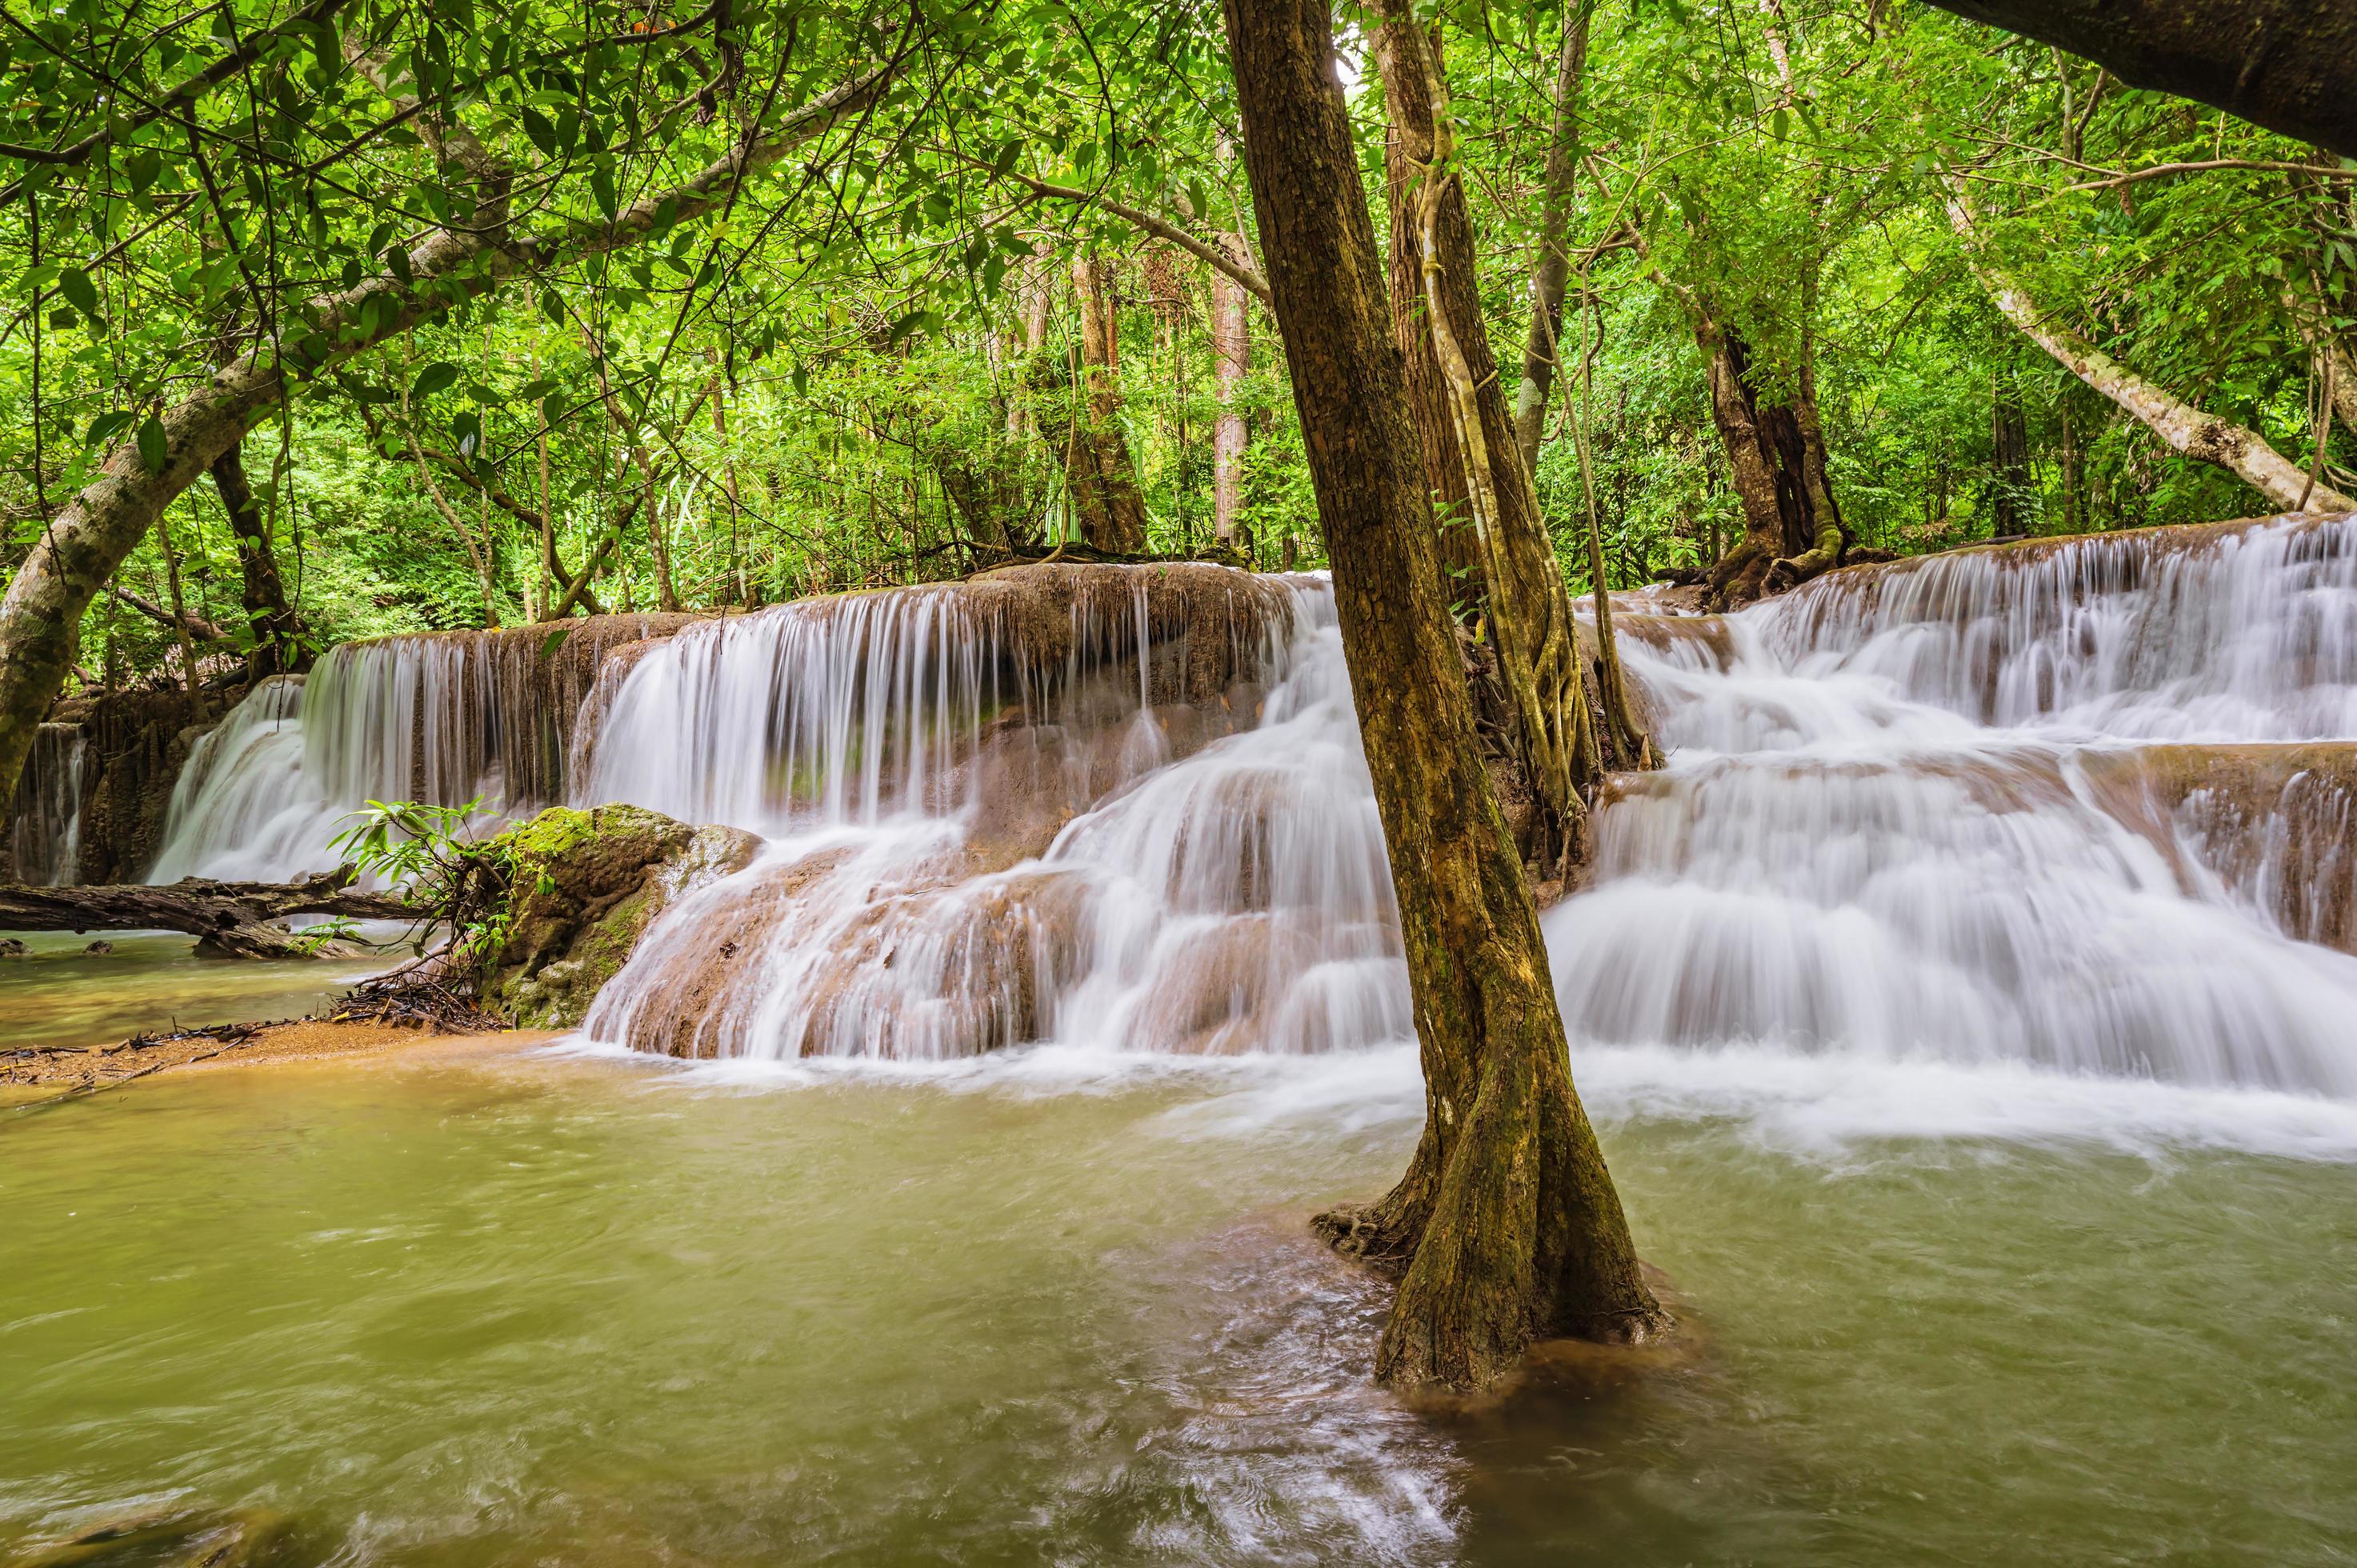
(58, 994)
(529, 1308)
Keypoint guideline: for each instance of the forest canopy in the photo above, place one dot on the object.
(549, 309)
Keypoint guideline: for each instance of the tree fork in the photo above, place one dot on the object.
(1506, 1225)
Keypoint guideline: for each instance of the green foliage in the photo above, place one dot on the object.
(859, 370)
(431, 856)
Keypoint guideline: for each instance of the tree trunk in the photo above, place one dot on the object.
(1474, 467)
(1231, 352)
(1776, 460)
(2010, 512)
(1541, 350)
(1105, 493)
(2186, 429)
(231, 920)
(1506, 1226)
(277, 632)
(2286, 64)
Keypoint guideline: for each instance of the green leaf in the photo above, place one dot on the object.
(552, 408)
(554, 641)
(152, 445)
(551, 305)
(542, 133)
(601, 185)
(75, 285)
(433, 379)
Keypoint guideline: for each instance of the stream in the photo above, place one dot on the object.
(1968, 1013)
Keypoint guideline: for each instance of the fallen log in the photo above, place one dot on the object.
(229, 920)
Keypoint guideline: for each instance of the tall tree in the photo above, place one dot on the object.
(1542, 351)
(1506, 1225)
(1105, 496)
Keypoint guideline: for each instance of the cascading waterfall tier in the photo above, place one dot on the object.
(45, 817)
(1910, 813)
(438, 717)
(1090, 804)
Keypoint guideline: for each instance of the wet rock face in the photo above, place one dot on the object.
(587, 886)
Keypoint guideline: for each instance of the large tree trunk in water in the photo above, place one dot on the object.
(1471, 457)
(277, 634)
(1541, 352)
(1776, 457)
(1104, 484)
(1506, 1226)
(2285, 64)
(2184, 428)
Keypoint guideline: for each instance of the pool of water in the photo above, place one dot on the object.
(56, 993)
(529, 1306)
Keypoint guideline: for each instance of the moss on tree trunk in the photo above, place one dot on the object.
(1506, 1226)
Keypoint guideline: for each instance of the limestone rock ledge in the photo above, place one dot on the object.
(587, 886)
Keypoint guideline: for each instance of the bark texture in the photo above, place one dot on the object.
(2289, 65)
(1231, 355)
(1107, 500)
(277, 633)
(1542, 351)
(229, 919)
(1776, 458)
(1506, 1225)
(2186, 429)
(1494, 537)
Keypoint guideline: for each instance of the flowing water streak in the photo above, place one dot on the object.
(1218, 882)
(45, 817)
(1895, 824)
(440, 717)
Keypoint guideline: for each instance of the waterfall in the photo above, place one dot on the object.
(1909, 813)
(45, 817)
(438, 717)
(1150, 825)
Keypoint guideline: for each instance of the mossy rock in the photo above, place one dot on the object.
(588, 885)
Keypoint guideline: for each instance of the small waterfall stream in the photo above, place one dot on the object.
(45, 817)
(2079, 807)
(968, 853)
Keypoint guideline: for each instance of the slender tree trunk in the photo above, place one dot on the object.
(2009, 455)
(2186, 429)
(179, 617)
(1541, 347)
(547, 530)
(2074, 519)
(1776, 460)
(1231, 351)
(1506, 1226)
(1475, 468)
(277, 632)
(1114, 516)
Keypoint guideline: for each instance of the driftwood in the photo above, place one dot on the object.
(229, 920)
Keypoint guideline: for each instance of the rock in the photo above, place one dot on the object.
(100, 946)
(587, 886)
(12, 947)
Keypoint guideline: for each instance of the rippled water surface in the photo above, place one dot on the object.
(56, 994)
(506, 1308)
